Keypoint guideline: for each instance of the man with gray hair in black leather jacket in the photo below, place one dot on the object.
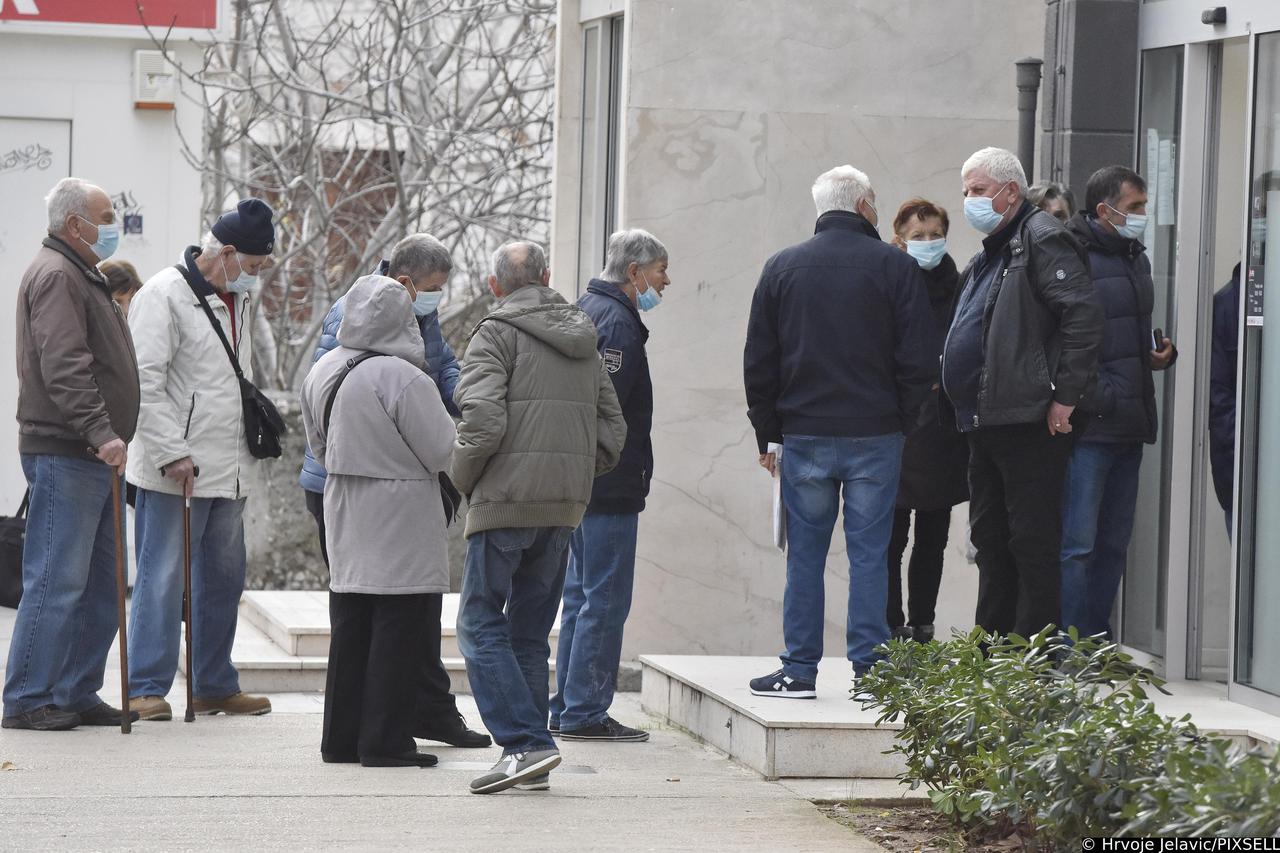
(1021, 353)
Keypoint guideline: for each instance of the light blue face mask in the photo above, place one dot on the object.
(108, 240)
(650, 298)
(1135, 224)
(928, 253)
(241, 283)
(426, 302)
(981, 215)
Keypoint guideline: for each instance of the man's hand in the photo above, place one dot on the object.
(115, 453)
(1059, 418)
(182, 471)
(769, 462)
(1162, 358)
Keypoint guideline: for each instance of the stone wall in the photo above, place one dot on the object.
(730, 111)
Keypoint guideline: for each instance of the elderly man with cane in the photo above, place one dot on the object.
(77, 409)
(193, 324)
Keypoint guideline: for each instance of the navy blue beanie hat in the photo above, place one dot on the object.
(248, 228)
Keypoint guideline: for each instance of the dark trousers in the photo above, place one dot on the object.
(924, 573)
(1016, 475)
(369, 695)
(435, 702)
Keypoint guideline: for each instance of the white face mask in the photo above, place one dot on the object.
(241, 283)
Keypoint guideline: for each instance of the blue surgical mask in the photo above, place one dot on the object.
(108, 240)
(1135, 224)
(928, 253)
(649, 299)
(981, 215)
(426, 302)
(241, 283)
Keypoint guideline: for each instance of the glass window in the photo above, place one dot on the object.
(1258, 581)
(1160, 122)
(601, 112)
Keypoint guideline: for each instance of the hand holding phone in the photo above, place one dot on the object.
(1157, 339)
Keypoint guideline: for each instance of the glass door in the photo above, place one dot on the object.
(1257, 635)
(1142, 622)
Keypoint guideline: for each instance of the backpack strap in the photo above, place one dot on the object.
(342, 377)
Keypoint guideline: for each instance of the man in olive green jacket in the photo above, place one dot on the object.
(540, 420)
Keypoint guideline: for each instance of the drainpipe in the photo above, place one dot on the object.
(1028, 82)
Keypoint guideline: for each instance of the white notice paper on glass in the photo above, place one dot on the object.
(1166, 204)
(779, 510)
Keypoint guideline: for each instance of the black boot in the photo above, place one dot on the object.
(453, 731)
(922, 633)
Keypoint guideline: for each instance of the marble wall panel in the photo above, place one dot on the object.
(732, 109)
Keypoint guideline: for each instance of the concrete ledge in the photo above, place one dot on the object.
(828, 737)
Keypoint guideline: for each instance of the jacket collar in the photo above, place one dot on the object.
(942, 280)
(1096, 238)
(202, 286)
(844, 220)
(995, 243)
(616, 293)
(60, 246)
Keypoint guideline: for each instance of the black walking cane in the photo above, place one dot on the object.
(186, 599)
(121, 584)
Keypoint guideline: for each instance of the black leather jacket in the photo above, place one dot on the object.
(1042, 325)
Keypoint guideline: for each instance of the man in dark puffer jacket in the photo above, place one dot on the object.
(1102, 474)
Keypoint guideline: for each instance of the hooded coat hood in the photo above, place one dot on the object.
(379, 317)
(544, 314)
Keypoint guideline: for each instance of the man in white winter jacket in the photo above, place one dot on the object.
(191, 442)
(381, 431)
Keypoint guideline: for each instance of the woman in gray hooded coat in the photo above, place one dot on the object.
(384, 439)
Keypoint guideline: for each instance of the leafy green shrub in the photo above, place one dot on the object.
(1058, 741)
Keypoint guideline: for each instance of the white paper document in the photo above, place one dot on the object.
(779, 510)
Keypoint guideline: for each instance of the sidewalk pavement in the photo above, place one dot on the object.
(225, 783)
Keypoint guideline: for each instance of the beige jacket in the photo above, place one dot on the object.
(540, 418)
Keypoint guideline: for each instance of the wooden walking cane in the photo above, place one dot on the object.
(190, 715)
(122, 583)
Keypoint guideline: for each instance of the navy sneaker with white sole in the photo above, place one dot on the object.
(783, 686)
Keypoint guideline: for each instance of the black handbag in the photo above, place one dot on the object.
(450, 497)
(263, 425)
(13, 531)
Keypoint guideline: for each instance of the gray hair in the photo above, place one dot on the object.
(517, 264)
(999, 164)
(210, 245)
(841, 188)
(418, 256)
(68, 196)
(632, 246)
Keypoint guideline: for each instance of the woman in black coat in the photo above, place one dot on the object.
(935, 459)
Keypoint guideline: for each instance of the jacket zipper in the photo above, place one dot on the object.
(186, 433)
(982, 377)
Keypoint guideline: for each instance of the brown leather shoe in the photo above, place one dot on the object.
(151, 708)
(238, 704)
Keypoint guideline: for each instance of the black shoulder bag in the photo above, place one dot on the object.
(449, 494)
(263, 425)
(12, 535)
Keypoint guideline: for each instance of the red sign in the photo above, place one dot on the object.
(181, 14)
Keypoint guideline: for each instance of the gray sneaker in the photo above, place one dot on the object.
(513, 769)
(537, 783)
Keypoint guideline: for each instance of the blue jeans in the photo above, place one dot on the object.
(597, 599)
(815, 472)
(510, 593)
(217, 579)
(1099, 501)
(67, 617)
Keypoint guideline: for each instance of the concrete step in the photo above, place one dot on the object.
(830, 737)
(298, 621)
(265, 666)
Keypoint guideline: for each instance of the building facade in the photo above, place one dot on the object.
(706, 122)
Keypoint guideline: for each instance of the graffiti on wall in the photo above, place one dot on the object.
(26, 157)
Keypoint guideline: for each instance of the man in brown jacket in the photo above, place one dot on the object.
(77, 410)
